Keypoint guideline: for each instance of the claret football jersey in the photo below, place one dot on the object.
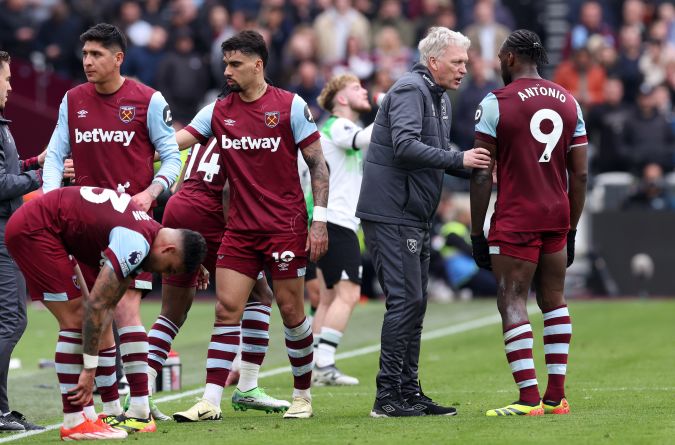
(112, 139)
(96, 226)
(534, 123)
(258, 145)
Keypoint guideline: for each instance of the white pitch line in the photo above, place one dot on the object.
(431, 335)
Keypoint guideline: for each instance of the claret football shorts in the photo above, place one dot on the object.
(247, 253)
(180, 214)
(526, 245)
(41, 256)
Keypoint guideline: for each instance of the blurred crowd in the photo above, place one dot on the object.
(618, 56)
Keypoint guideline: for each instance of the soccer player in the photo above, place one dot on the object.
(201, 204)
(112, 127)
(535, 133)
(259, 129)
(103, 230)
(343, 142)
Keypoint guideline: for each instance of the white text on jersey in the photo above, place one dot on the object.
(541, 91)
(100, 135)
(249, 143)
(139, 215)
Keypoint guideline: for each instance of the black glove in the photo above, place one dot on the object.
(570, 246)
(481, 251)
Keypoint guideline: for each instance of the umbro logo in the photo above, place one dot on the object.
(82, 113)
(388, 408)
(229, 122)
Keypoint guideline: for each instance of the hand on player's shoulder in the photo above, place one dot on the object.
(477, 157)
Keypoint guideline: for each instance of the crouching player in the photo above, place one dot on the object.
(97, 228)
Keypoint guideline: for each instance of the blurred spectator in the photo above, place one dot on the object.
(652, 192)
(183, 78)
(302, 12)
(130, 21)
(367, 8)
(334, 26)
(464, 109)
(389, 14)
(648, 136)
(605, 123)
(446, 17)
(464, 10)
(59, 40)
(590, 22)
(627, 67)
(220, 30)
(302, 45)
(17, 30)
(666, 13)
(670, 80)
(486, 36)
(634, 12)
(272, 19)
(582, 77)
(307, 83)
(155, 13)
(183, 14)
(657, 55)
(429, 11)
(391, 54)
(358, 61)
(603, 53)
(142, 62)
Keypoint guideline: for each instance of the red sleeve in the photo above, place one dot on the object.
(486, 138)
(196, 134)
(578, 141)
(308, 140)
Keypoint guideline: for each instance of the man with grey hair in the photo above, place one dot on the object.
(402, 180)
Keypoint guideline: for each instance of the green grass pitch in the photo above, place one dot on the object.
(620, 381)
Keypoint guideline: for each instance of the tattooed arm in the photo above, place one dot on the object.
(98, 312)
(317, 241)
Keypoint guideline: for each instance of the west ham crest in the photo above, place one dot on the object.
(127, 113)
(412, 245)
(272, 118)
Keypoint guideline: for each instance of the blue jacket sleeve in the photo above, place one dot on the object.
(13, 186)
(406, 111)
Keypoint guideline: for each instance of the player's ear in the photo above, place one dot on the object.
(433, 63)
(169, 249)
(119, 58)
(341, 98)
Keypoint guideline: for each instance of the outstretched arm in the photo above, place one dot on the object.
(317, 242)
(98, 311)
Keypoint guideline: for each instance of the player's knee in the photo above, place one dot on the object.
(348, 292)
(291, 312)
(227, 312)
(261, 294)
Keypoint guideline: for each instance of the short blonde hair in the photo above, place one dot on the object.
(331, 88)
(438, 40)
